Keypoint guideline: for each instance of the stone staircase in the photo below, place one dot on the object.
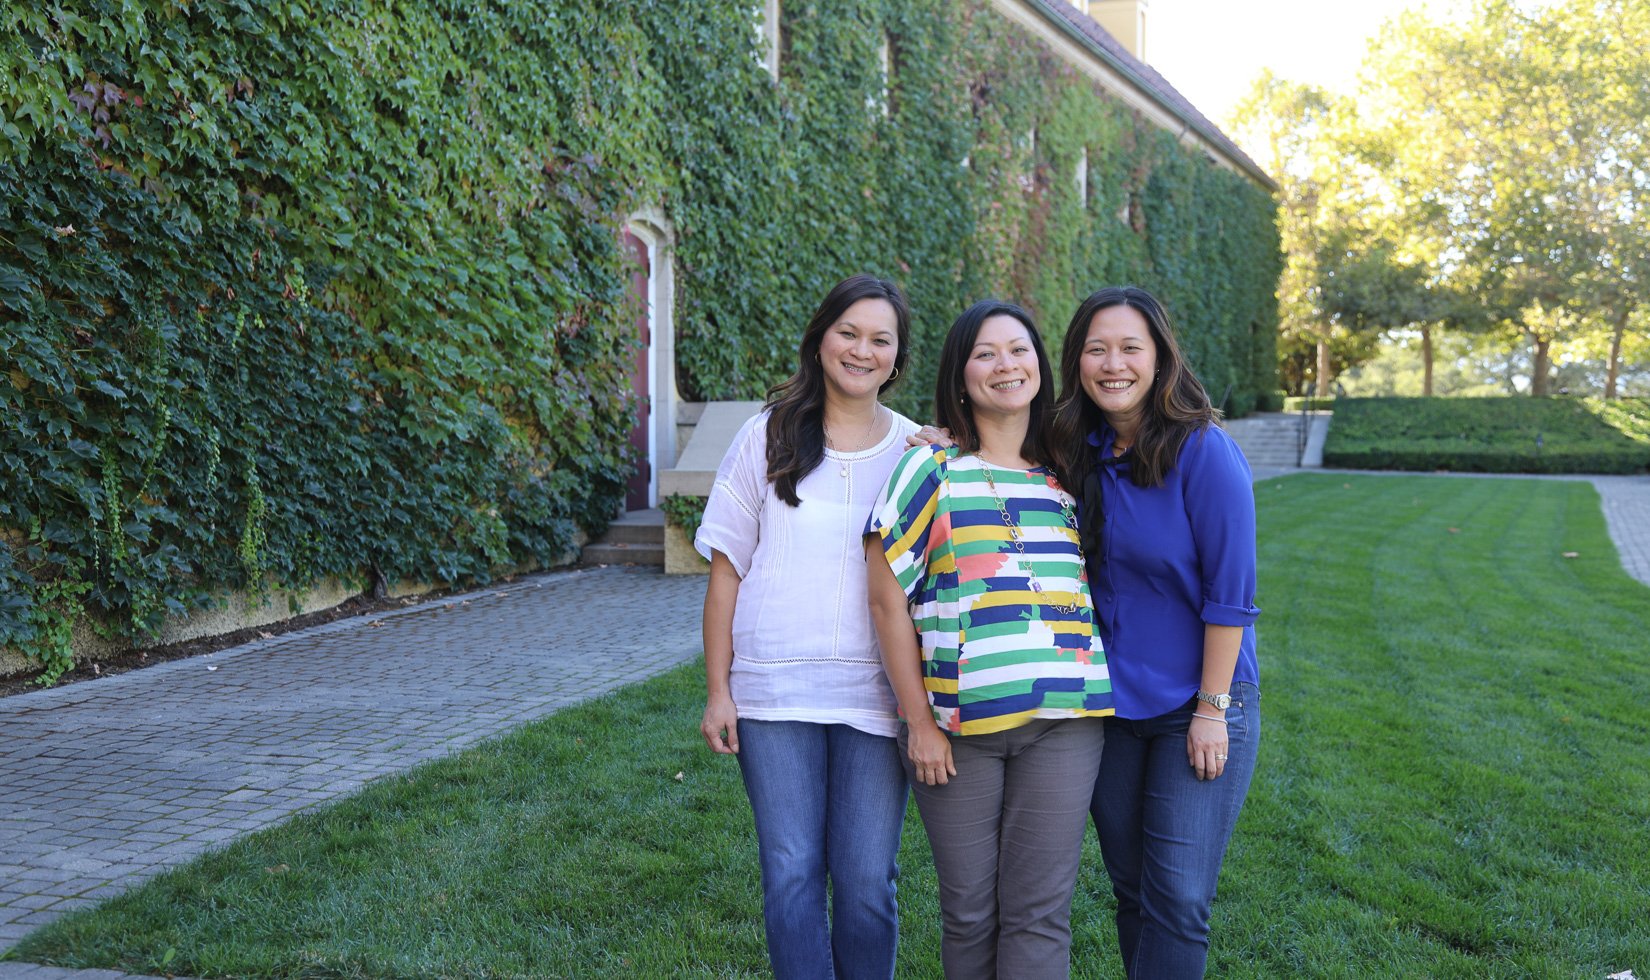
(637, 538)
(1270, 440)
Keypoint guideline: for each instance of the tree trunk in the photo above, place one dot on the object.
(1539, 371)
(1426, 361)
(1323, 369)
(1615, 354)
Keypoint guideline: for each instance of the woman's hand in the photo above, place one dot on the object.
(930, 435)
(720, 717)
(1206, 745)
(930, 753)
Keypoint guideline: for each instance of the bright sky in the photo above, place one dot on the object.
(1212, 50)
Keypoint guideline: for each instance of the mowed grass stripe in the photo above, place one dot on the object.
(1432, 800)
(1452, 784)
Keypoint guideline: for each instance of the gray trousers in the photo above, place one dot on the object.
(1007, 836)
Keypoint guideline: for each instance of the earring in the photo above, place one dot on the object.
(895, 375)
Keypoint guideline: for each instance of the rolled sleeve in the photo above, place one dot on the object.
(1220, 505)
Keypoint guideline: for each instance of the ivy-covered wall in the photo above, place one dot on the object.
(299, 290)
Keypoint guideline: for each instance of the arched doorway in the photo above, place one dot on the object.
(648, 236)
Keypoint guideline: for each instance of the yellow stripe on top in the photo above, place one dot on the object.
(1001, 723)
(914, 530)
(1026, 597)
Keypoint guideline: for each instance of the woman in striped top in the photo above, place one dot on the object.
(981, 603)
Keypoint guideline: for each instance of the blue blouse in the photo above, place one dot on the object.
(1173, 558)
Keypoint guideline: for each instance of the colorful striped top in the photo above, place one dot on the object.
(996, 653)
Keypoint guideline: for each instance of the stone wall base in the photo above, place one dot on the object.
(680, 558)
(243, 610)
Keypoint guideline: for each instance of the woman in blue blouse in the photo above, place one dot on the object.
(1169, 534)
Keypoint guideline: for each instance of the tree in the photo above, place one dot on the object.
(1520, 131)
(1297, 126)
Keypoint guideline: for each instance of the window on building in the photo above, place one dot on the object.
(1083, 177)
(1028, 176)
(885, 66)
(767, 36)
(880, 100)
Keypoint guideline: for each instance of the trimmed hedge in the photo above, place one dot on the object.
(1491, 435)
(298, 291)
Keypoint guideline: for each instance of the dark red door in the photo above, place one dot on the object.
(636, 490)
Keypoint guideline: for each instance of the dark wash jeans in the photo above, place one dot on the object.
(1163, 833)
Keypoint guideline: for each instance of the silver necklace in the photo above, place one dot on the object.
(1018, 536)
(876, 416)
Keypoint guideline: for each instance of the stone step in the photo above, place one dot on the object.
(623, 554)
(1270, 440)
(637, 538)
(637, 527)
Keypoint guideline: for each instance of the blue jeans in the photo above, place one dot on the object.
(1163, 832)
(828, 799)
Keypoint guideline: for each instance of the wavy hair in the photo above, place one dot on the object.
(1177, 405)
(950, 392)
(796, 406)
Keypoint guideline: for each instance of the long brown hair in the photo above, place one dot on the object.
(951, 409)
(796, 406)
(1176, 406)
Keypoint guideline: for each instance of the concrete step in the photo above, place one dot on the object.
(637, 527)
(1273, 439)
(637, 538)
(623, 554)
(1268, 440)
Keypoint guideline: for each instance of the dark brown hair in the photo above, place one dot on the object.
(1176, 406)
(951, 408)
(796, 406)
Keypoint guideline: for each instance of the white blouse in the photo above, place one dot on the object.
(803, 645)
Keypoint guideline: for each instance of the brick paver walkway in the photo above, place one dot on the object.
(1626, 502)
(103, 784)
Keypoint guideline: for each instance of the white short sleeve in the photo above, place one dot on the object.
(733, 511)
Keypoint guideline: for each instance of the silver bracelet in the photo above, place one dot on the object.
(1198, 714)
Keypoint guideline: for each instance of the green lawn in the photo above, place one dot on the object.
(1453, 784)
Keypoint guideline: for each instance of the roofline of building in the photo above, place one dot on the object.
(1060, 16)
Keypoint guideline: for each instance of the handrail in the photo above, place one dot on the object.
(1303, 429)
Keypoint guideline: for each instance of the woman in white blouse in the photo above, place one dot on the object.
(793, 671)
